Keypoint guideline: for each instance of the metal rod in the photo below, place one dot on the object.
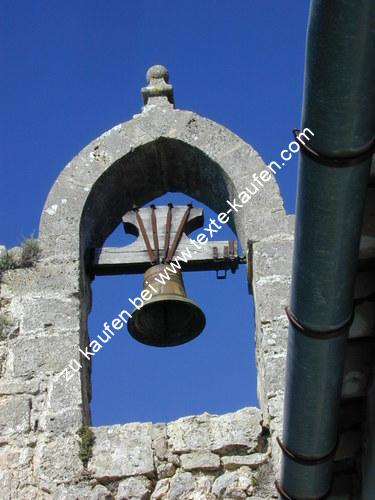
(168, 230)
(177, 237)
(144, 235)
(155, 234)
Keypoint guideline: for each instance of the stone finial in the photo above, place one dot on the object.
(158, 86)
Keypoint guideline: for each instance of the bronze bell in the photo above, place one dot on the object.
(168, 318)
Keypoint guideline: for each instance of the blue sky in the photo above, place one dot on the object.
(73, 69)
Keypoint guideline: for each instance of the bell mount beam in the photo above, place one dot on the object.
(163, 236)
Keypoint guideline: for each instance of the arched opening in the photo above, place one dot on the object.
(215, 372)
(147, 172)
(170, 165)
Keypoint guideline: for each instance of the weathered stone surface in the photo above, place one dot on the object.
(173, 458)
(200, 460)
(77, 492)
(61, 394)
(15, 468)
(271, 296)
(61, 422)
(99, 492)
(26, 491)
(5, 480)
(14, 414)
(274, 370)
(234, 485)
(3, 360)
(275, 407)
(12, 386)
(9, 329)
(34, 356)
(272, 258)
(57, 460)
(165, 469)
(121, 451)
(180, 485)
(272, 335)
(134, 488)
(222, 434)
(159, 440)
(161, 490)
(236, 461)
(49, 314)
(55, 280)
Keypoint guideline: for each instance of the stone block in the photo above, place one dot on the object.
(159, 440)
(49, 280)
(49, 314)
(236, 461)
(271, 258)
(81, 492)
(274, 366)
(165, 469)
(122, 451)
(234, 485)
(69, 420)
(161, 490)
(16, 469)
(57, 460)
(11, 386)
(3, 360)
(42, 355)
(270, 226)
(190, 433)
(200, 460)
(231, 432)
(181, 485)
(134, 488)
(272, 335)
(62, 394)
(27, 492)
(271, 296)
(14, 414)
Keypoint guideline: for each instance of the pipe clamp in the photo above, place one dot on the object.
(284, 495)
(334, 161)
(318, 334)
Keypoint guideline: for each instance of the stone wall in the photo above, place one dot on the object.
(194, 458)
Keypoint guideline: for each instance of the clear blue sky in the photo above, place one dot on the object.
(73, 69)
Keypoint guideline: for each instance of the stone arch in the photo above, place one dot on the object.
(158, 150)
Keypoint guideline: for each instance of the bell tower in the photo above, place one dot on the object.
(49, 449)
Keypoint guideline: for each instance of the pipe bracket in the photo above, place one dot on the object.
(334, 161)
(318, 334)
(303, 460)
(284, 495)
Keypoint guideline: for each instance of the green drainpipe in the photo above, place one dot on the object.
(339, 108)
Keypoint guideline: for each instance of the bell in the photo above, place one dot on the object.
(168, 318)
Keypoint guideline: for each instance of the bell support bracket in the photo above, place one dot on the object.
(162, 236)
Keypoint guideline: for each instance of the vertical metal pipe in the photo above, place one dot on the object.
(339, 107)
(368, 457)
